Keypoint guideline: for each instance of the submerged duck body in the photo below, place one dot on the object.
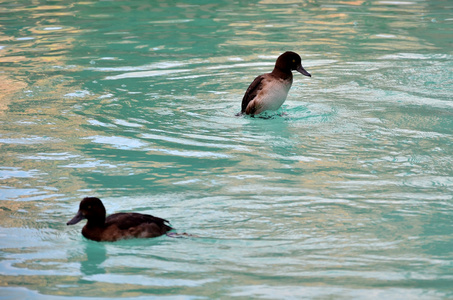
(116, 226)
(269, 91)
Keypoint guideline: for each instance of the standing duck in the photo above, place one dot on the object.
(269, 91)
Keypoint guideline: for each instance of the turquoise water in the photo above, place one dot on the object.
(345, 192)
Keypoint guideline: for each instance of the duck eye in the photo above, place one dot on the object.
(294, 60)
(89, 206)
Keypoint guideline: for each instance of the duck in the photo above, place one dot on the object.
(269, 91)
(117, 226)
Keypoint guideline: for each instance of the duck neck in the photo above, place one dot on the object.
(97, 222)
(282, 73)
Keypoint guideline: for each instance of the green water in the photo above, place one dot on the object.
(344, 193)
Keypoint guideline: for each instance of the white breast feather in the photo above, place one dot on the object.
(272, 96)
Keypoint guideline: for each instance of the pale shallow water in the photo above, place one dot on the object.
(345, 192)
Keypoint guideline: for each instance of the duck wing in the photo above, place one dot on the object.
(251, 92)
(125, 221)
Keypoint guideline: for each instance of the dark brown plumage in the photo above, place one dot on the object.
(116, 226)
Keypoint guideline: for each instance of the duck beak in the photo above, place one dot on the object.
(78, 217)
(301, 70)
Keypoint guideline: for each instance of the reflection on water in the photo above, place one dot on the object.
(96, 255)
(347, 187)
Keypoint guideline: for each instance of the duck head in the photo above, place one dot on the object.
(290, 61)
(92, 209)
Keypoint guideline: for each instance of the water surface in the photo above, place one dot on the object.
(345, 192)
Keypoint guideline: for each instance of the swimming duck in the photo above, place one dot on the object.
(269, 91)
(117, 226)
